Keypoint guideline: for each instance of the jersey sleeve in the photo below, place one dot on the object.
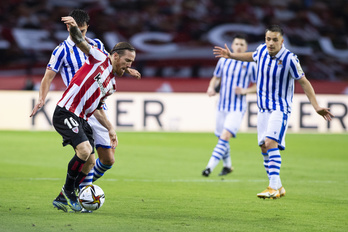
(253, 72)
(96, 55)
(295, 68)
(57, 58)
(256, 53)
(218, 68)
(101, 46)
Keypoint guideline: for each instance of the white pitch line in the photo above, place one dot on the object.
(203, 180)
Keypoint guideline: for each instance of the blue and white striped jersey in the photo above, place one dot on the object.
(234, 73)
(275, 78)
(66, 58)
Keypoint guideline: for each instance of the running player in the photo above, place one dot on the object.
(67, 59)
(84, 97)
(277, 68)
(235, 77)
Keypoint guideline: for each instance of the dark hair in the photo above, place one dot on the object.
(275, 28)
(120, 48)
(81, 17)
(240, 36)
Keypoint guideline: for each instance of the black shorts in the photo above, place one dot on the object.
(72, 128)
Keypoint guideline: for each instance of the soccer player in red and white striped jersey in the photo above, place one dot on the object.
(84, 97)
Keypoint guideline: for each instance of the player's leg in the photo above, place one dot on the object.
(85, 175)
(105, 152)
(274, 140)
(226, 158)
(265, 158)
(221, 147)
(232, 124)
(106, 158)
(76, 132)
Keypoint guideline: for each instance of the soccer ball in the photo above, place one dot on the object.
(91, 197)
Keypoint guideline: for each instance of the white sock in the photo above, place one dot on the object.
(226, 159)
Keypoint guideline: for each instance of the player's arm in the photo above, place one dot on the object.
(76, 34)
(101, 117)
(214, 81)
(226, 53)
(309, 91)
(242, 91)
(44, 88)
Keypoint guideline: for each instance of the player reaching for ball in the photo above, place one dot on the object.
(277, 68)
(67, 58)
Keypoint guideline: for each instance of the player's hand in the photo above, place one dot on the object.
(113, 138)
(211, 91)
(240, 91)
(70, 21)
(325, 112)
(37, 107)
(133, 73)
(222, 52)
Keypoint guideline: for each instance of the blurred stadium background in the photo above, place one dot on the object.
(174, 38)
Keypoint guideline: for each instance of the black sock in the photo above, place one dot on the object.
(80, 177)
(74, 168)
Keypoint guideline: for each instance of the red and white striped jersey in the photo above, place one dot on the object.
(91, 84)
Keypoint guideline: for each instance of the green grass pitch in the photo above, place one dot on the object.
(156, 185)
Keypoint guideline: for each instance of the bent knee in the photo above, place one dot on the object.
(84, 150)
(106, 156)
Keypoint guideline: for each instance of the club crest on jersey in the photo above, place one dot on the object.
(75, 129)
(280, 64)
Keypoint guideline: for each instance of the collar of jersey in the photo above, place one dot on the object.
(279, 54)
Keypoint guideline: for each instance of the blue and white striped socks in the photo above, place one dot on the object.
(218, 153)
(96, 172)
(265, 162)
(274, 164)
(99, 169)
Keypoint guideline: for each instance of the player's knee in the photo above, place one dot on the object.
(84, 150)
(270, 143)
(106, 156)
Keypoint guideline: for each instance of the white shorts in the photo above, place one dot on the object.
(272, 125)
(100, 133)
(228, 120)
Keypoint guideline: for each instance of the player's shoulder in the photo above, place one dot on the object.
(95, 41)
(60, 48)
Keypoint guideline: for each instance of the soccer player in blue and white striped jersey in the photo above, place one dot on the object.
(67, 59)
(234, 77)
(277, 69)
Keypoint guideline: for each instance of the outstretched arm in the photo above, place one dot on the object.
(309, 91)
(44, 88)
(226, 53)
(76, 34)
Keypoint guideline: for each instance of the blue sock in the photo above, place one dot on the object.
(99, 169)
(265, 162)
(88, 179)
